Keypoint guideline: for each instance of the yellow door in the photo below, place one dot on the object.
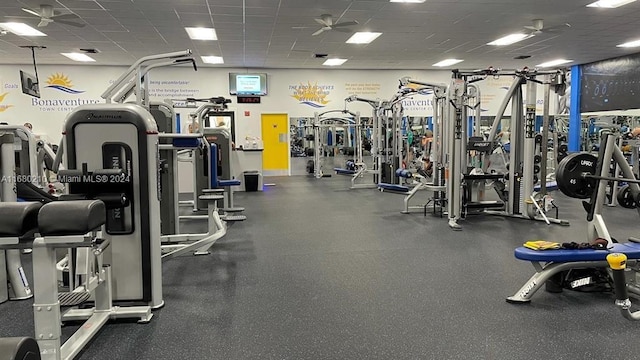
(275, 135)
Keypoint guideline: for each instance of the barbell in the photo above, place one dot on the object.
(576, 175)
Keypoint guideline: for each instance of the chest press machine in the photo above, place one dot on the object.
(583, 176)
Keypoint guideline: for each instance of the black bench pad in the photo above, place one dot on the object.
(18, 218)
(61, 218)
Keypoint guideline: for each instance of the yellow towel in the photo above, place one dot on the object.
(541, 245)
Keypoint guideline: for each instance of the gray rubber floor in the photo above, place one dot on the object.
(321, 272)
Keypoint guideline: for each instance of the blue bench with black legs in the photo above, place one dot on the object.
(393, 188)
(547, 263)
(218, 185)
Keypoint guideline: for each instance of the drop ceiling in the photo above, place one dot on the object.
(277, 33)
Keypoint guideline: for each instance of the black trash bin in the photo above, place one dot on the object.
(251, 180)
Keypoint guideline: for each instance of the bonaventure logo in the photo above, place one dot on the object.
(61, 82)
(4, 107)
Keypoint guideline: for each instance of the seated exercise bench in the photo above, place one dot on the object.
(341, 171)
(547, 263)
(227, 185)
(18, 224)
(395, 188)
(73, 224)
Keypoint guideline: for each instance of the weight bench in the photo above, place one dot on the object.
(547, 263)
(398, 189)
(341, 171)
(73, 224)
(18, 224)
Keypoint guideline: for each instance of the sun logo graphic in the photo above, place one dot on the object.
(4, 107)
(61, 82)
(313, 95)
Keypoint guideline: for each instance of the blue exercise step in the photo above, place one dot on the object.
(341, 171)
(393, 187)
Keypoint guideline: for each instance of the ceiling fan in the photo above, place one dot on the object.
(47, 15)
(537, 27)
(326, 20)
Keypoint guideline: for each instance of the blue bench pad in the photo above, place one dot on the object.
(341, 171)
(551, 185)
(393, 187)
(224, 183)
(632, 250)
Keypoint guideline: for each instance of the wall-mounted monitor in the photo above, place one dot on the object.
(248, 84)
(29, 84)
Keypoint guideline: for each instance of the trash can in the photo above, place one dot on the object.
(251, 180)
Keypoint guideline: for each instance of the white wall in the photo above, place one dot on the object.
(48, 113)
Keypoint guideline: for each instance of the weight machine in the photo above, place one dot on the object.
(325, 120)
(520, 177)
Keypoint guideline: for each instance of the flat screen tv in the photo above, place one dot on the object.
(248, 84)
(29, 84)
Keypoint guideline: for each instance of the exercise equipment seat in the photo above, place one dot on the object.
(18, 218)
(64, 218)
(19, 348)
(632, 250)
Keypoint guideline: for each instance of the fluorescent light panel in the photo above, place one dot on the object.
(79, 57)
(21, 29)
(334, 62)
(630, 44)
(363, 37)
(509, 39)
(212, 59)
(201, 33)
(554, 63)
(609, 4)
(447, 62)
(408, 1)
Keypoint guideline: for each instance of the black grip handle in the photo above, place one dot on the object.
(620, 284)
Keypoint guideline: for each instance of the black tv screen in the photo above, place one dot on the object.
(29, 84)
(612, 84)
(248, 84)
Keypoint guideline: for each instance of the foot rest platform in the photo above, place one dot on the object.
(226, 183)
(632, 251)
(233, 217)
(212, 191)
(63, 218)
(341, 171)
(73, 298)
(393, 187)
(211, 197)
(18, 218)
(233, 210)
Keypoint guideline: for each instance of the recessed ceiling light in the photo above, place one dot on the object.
(79, 57)
(630, 44)
(408, 1)
(554, 63)
(201, 33)
(447, 62)
(334, 62)
(21, 29)
(212, 59)
(610, 3)
(363, 37)
(509, 39)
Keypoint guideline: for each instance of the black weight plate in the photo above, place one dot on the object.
(537, 159)
(624, 197)
(563, 148)
(538, 138)
(570, 175)
(536, 169)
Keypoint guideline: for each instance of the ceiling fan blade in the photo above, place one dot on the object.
(70, 23)
(339, 29)
(321, 22)
(65, 17)
(318, 32)
(557, 27)
(346, 23)
(44, 22)
(300, 27)
(529, 27)
(32, 12)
